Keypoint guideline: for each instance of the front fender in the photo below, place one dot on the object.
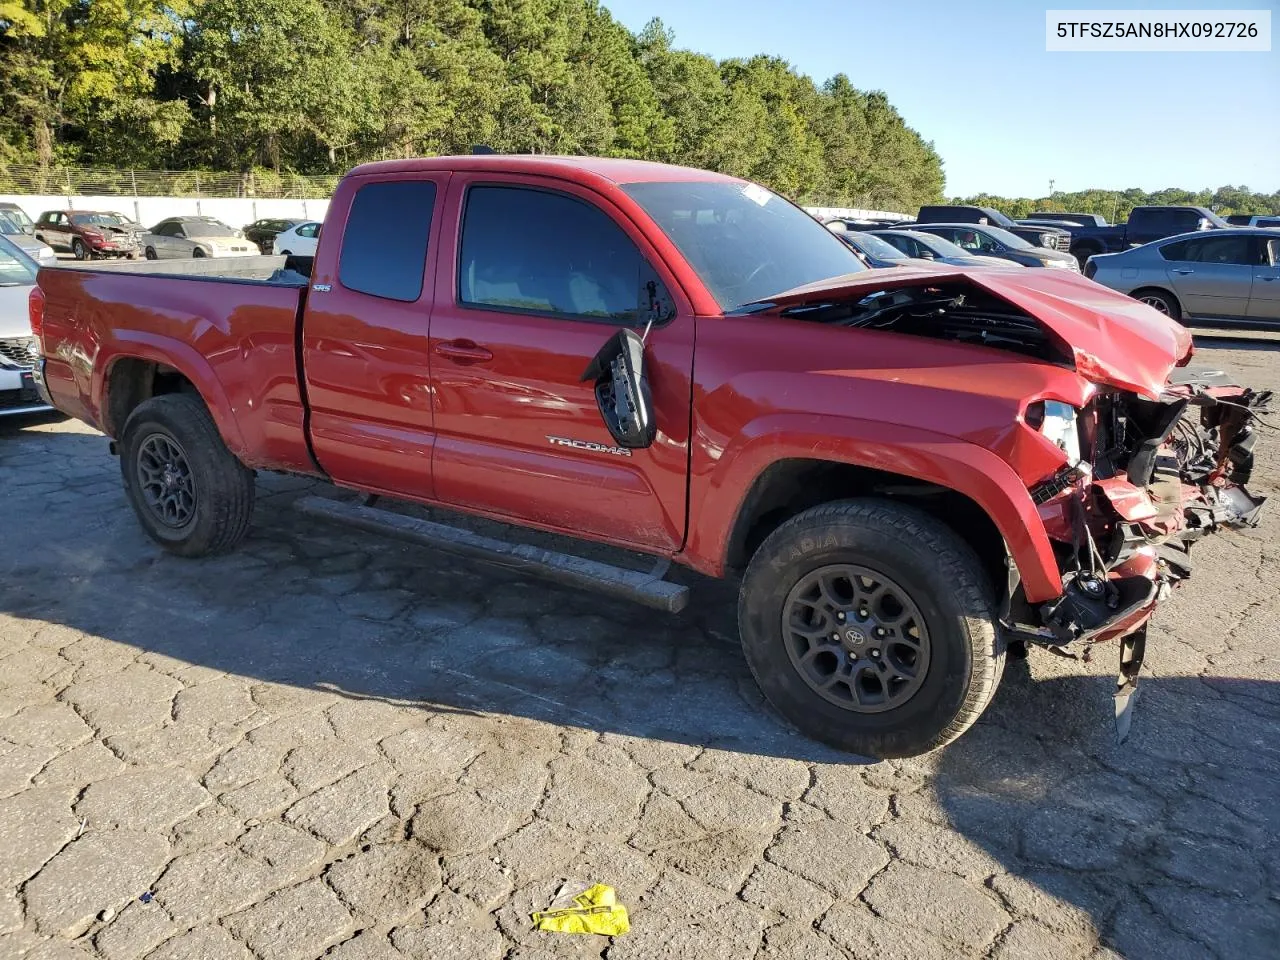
(182, 357)
(717, 497)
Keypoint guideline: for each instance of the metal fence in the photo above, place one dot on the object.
(96, 182)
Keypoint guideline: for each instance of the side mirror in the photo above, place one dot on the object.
(926, 254)
(1205, 224)
(622, 390)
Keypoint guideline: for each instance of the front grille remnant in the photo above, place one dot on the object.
(18, 351)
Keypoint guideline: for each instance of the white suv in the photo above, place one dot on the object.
(18, 348)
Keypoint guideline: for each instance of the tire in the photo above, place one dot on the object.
(286, 253)
(197, 252)
(1161, 300)
(1082, 255)
(79, 250)
(150, 253)
(220, 489)
(948, 603)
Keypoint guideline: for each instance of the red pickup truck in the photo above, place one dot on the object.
(910, 470)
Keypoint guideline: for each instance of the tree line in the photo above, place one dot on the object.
(316, 86)
(1115, 205)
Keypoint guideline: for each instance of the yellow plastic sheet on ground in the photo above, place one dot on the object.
(595, 910)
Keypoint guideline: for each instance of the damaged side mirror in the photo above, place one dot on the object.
(622, 390)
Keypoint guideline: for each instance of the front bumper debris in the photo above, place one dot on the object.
(1164, 474)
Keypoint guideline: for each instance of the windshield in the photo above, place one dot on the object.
(18, 216)
(16, 268)
(996, 218)
(940, 246)
(875, 247)
(206, 228)
(99, 220)
(745, 243)
(1010, 240)
(9, 226)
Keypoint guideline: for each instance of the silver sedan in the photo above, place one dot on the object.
(1231, 275)
(183, 237)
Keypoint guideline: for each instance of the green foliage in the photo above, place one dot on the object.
(1116, 204)
(279, 87)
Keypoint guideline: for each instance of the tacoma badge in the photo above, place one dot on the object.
(589, 445)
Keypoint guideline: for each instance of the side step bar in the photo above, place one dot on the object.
(648, 589)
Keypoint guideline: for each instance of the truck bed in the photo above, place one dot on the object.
(229, 325)
(273, 270)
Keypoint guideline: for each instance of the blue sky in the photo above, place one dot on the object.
(1006, 116)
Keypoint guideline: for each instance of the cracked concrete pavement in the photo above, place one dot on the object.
(329, 745)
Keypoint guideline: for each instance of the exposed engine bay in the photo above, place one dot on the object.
(1152, 477)
(957, 311)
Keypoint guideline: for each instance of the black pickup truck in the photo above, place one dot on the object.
(1052, 238)
(1144, 225)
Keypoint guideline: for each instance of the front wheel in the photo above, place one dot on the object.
(190, 493)
(150, 253)
(870, 626)
(79, 250)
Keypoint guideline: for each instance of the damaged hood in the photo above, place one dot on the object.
(1112, 338)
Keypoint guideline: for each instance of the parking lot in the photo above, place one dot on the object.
(327, 744)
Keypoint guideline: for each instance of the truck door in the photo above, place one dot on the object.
(535, 276)
(364, 334)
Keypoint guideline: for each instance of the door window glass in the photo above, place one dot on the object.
(1228, 249)
(526, 249)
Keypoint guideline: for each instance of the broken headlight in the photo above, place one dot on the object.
(1058, 423)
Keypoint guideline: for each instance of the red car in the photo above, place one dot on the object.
(90, 234)
(911, 470)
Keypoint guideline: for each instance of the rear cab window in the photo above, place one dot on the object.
(1149, 218)
(384, 240)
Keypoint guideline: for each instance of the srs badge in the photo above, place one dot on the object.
(589, 445)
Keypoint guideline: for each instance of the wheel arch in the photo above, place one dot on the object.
(786, 488)
(148, 369)
(797, 463)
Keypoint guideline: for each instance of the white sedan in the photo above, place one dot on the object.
(299, 240)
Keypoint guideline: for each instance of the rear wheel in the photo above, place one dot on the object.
(870, 626)
(286, 253)
(1160, 300)
(1082, 255)
(190, 493)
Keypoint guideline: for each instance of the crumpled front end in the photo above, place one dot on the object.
(1146, 479)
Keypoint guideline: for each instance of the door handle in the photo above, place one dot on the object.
(1269, 279)
(463, 351)
(1183, 272)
